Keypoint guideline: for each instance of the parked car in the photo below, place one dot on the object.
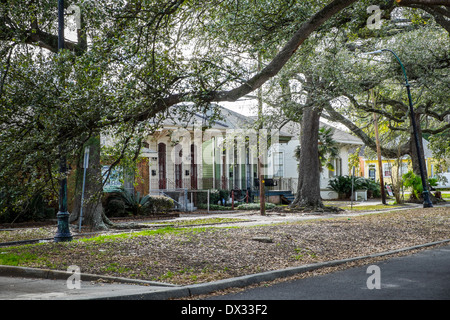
(443, 180)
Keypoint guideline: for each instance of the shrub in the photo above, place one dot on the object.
(372, 187)
(134, 203)
(215, 197)
(35, 208)
(343, 186)
(119, 202)
(160, 204)
(255, 206)
(115, 208)
(413, 181)
(214, 207)
(223, 194)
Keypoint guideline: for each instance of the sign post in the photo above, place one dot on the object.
(85, 166)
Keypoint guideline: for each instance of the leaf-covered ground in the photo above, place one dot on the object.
(200, 254)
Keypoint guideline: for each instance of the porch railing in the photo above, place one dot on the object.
(285, 184)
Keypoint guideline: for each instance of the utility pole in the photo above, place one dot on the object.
(377, 139)
(380, 164)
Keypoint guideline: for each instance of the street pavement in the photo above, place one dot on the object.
(421, 276)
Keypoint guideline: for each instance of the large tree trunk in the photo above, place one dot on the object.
(308, 192)
(92, 206)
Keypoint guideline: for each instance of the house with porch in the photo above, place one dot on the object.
(195, 152)
(393, 168)
(190, 154)
(283, 165)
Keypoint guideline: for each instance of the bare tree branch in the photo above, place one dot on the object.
(438, 130)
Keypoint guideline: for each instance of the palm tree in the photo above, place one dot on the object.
(328, 148)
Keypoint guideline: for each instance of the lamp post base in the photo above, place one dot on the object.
(426, 200)
(63, 233)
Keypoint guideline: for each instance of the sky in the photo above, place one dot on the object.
(244, 107)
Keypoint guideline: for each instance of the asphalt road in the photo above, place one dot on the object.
(421, 276)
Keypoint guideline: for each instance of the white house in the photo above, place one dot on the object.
(283, 165)
(194, 153)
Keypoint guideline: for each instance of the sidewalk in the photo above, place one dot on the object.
(18, 288)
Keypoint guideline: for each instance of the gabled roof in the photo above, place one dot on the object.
(189, 117)
(343, 137)
(227, 120)
(339, 135)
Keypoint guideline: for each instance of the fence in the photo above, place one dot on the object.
(187, 200)
(285, 184)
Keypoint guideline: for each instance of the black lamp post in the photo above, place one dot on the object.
(63, 232)
(426, 196)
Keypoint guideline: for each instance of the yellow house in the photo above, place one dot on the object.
(369, 168)
(390, 168)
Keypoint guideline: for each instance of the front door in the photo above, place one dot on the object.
(179, 167)
(162, 165)
(193, 167)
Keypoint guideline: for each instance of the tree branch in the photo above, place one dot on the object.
(424, 2)
(381, 112)
(438, 130)
(386, 152)
(257, 80)
(285, 53)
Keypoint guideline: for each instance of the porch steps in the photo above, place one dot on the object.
(286, 196)
(178, 197)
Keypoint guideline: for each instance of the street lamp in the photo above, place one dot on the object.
(426, 196)
(63, 233)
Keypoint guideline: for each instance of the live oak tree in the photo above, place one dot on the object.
(128, 64)
(336, 71)
(308, 195)
(426, 61)
(132, 69)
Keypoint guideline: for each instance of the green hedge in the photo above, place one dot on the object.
(343, 186)
(255, 206)
(161, 204)
(214, 207)
(122, 203)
